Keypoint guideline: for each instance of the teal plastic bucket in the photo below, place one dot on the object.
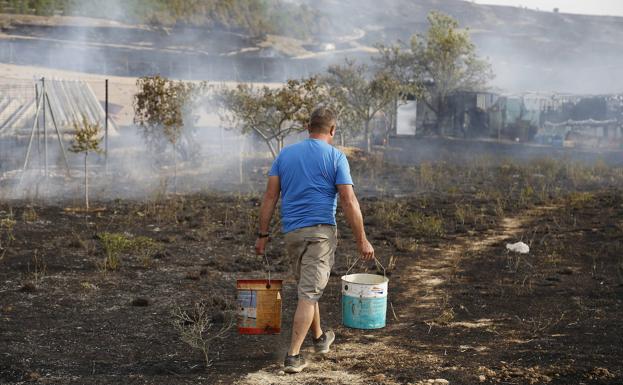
(364, 301)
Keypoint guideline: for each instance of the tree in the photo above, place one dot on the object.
(438, 64)
(271, 113)
(360, 94)
(348, 125)
(86, 139)
(397, 63)
(163, 112)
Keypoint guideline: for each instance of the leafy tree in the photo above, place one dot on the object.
(397, 63)
(438, 64)
(360, 94)
(163, 112)
(347, 123)
(271, 113)
(86, 139)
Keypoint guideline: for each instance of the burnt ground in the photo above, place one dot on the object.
(463, 308)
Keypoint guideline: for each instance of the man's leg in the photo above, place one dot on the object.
(314, 249)
(304, 316)
(315, 326)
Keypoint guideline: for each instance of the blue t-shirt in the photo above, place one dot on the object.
(308, 172)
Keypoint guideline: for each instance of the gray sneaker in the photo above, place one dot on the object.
(294, 364)
(322, 343)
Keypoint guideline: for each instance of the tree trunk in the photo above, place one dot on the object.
(86, 181)
(441, 117)
(271, 148)
(241, 159)
(174, 170)
(280, 141)
(368, 139)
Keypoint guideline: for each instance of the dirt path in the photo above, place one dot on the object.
(427, 275)
(425, 278)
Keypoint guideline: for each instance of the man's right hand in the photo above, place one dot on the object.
(366, 250)
(260, 246)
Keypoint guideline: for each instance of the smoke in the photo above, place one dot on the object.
(529, 50)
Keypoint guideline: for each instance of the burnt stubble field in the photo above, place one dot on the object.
(463, 309)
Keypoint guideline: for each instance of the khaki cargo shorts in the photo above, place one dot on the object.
(312, 253)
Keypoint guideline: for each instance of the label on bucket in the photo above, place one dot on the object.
(357, 286)
(247, 310)
(259, 307)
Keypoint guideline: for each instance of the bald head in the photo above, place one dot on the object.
(322, 120)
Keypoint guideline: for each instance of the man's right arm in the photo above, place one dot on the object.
(352, 211)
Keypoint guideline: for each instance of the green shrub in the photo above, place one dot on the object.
(114, 244)
(424, 225)
(144, 248)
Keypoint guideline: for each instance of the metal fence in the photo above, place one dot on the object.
(38, 113)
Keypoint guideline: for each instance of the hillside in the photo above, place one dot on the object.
(253, 17)
(530, 50)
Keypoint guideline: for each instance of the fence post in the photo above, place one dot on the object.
(106, 127)
(45, 129)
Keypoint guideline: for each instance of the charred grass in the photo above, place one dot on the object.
(550, 316)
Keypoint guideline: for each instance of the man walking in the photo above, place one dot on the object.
(309, 175)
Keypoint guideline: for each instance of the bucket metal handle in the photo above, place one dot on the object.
(376, 261)
(267, 268)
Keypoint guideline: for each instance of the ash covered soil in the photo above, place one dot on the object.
(462, 308)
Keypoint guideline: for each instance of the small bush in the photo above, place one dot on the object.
(144, 248)
(577, 199)
(427, 226)
(405, 244)
(37, 269)
(205, 322)
(7, 225)
(389, 213)
(427, 176)
(30, 215)
(114, 244)
(464, 213)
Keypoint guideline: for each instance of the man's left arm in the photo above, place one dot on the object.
(271, 197)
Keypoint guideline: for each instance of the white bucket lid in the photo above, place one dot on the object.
(365, 279)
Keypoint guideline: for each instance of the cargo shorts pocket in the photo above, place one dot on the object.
(315, 266)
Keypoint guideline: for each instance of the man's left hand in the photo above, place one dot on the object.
(260, 246)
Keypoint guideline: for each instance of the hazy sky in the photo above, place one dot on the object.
(592, 7)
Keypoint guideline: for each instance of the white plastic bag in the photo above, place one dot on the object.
(518, 247)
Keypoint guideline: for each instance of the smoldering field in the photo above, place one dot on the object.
(462, 307)
(76, 308)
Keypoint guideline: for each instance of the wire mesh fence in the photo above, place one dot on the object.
(18, 99)
(40, 113)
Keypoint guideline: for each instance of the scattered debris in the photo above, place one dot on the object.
(600, 374)
(518, 247)
(438, 381)
(464, 348)
(88, 285)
